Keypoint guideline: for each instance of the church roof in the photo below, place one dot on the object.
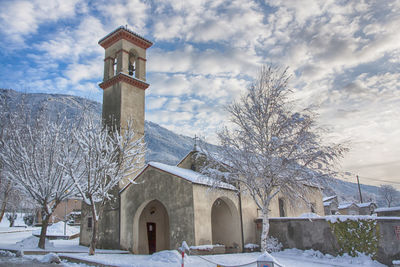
(367, 204)
(125, 33)
(346, 205)
(191, 176)
(328, 198)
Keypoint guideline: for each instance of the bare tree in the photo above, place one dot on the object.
(101, 159)
(270, 148)
(5, 184)
(30, 153)
(389, 194)
(5, 189)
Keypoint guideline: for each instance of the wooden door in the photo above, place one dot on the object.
(151, 237)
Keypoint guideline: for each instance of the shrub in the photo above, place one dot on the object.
(355, 236)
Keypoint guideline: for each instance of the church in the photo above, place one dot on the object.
(169, 204)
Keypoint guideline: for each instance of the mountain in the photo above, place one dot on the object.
(162, 145)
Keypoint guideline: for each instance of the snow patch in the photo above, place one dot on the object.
(4, 253)
(327, 259)
(206, 247)
(168, 256)
(266, 257)
(343, 218)
(50, 258)
(251, 246)
(57, 229)
(32, 242)
(309, 215)
(191, 176)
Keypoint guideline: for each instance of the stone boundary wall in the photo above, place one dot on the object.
(317, 234)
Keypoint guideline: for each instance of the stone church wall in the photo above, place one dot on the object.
(204, 199)
(176, 196)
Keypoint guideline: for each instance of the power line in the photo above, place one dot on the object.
(352, 174)
(379, 180)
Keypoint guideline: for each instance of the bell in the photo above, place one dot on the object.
(131, 69)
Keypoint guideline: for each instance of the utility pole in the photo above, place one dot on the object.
(359, 189)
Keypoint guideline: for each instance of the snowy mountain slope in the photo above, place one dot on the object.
(163, 145)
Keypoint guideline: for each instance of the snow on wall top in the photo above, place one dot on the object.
(191, 176)
(328, 198)
(388, 209)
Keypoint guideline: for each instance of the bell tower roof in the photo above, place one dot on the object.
(124, 33)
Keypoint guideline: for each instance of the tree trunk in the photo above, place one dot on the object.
(5, 197)
(43, 231)
(12, 218)
(265, 229)
(95, 223)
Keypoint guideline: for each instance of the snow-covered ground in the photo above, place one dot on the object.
(289, 257)
(57, 230)
(19, 224)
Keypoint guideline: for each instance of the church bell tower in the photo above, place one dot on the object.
(124, 81)
(124, 86)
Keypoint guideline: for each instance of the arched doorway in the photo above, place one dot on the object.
(225, 224)
(153, 228)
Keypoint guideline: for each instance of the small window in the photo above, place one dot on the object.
(281, 208)
(90, 222)
(312, 207)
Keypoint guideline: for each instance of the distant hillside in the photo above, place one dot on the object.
(163, 145)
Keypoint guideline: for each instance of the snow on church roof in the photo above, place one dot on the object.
(328, 198)
(190, 175)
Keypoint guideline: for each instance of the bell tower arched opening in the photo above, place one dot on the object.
(133, 64)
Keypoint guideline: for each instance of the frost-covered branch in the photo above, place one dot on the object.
(30, 153)
(99, 160)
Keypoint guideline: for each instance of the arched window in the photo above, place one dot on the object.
(281, 208)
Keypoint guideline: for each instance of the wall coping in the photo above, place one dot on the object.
(330, 217)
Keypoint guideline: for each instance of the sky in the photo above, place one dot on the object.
(343, 56)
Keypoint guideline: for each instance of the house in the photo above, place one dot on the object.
(64, 210)
(392, 212)
(367, 208)
(348, 209)
(170, 204)
(330, 205)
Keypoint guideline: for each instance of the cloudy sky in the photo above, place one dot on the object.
(343, 56)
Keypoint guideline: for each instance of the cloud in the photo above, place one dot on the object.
(20, 18)
(73, 44)
(343, 56)
(155, 102)
(122, 12)
(77, 72)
